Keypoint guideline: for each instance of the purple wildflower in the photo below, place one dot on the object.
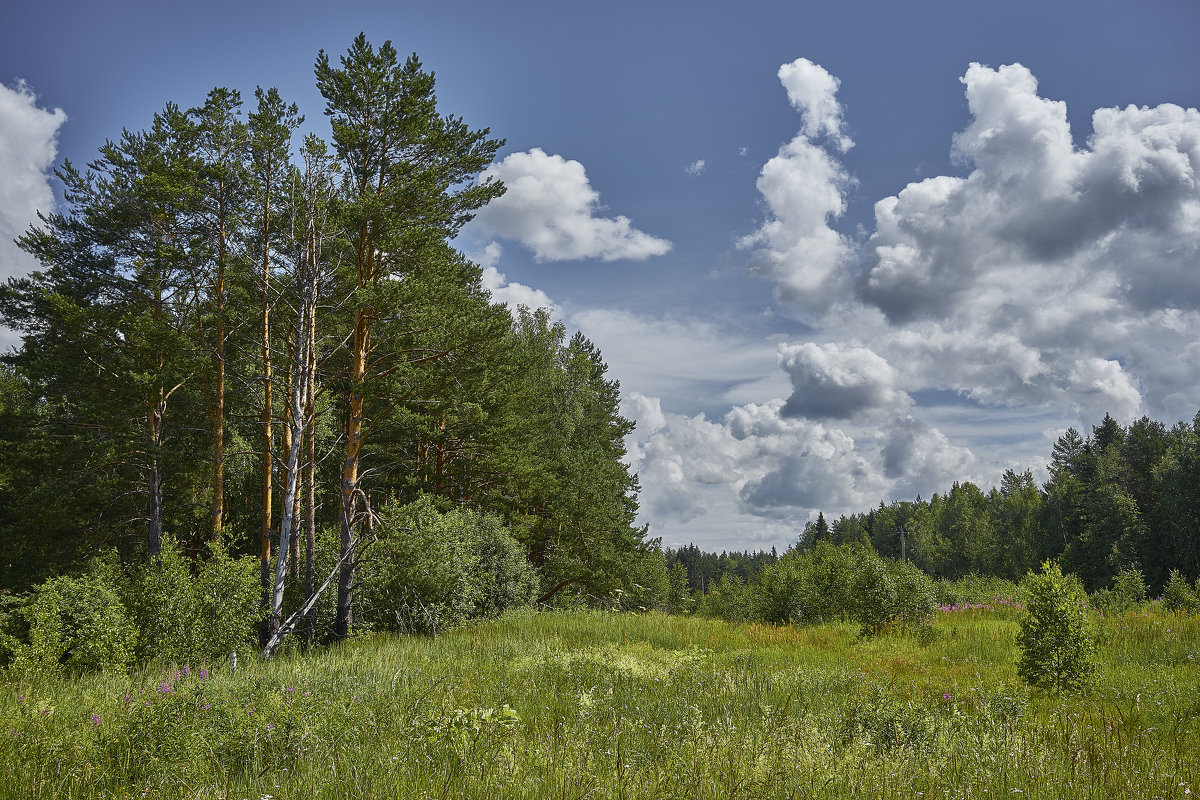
(96, 720)
(203, 673)
(164, 687)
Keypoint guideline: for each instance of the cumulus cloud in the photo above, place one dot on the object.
(695, 168)
(551, 208)
(813, 91)
(758, 463)
(803, 189)
(917, 456)
(28, 147)
(512, 294)
(1052, 273)
(837, 381)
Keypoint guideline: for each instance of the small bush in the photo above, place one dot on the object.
(1056, 639)
(1128, 590)
(728, 598)
(190, 619)
(891, 594)
(1179, 596)
(432, 570)
(75, 624)
(505, 578)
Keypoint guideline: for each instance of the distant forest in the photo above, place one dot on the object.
(1119, 498)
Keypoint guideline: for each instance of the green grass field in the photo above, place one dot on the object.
(594, 705)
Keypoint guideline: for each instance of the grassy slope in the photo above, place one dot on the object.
(626, 706)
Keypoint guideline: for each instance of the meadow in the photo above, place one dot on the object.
(608, 705)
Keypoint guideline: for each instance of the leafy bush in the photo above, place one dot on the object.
(891, 594)
(829, 581)
(1056, 639)
(432, 570)
(1128, 590)
(1179, 596)
(189, 619)
(807, 587)
(74, 624)
(505, 578)
(728, 598)
(978, 590)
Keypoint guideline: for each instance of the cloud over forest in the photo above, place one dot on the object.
(551, 208)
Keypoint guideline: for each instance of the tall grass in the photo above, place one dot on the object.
(594, 705)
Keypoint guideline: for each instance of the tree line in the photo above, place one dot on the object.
(234, 342)
(1120, 499)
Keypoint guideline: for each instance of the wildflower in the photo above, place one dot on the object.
(205, 706)
(270, 726)
(96, 720)
(164, 687)
(20, 699)
(185, 671)
(203, 673)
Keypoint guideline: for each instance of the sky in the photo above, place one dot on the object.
(835, 253)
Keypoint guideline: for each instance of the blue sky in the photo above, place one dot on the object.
(835, 253)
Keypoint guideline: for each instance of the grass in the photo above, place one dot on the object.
(593, 705)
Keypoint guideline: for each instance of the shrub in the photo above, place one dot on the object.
(1179, 596)
(432, 570)
(829, 581)
(1056, 639)
(189, 619)
(728, 598)
(891, 594)
(506, 579)
(808, 587)
(75, 624)
(1129, 589)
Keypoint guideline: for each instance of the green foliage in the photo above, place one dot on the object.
(729, 599)
(504, 578)
(1127, 592)
(192, 619)
(432, 570)
(977, 590)
(74, 624)
(1056, 638)
(807, 587)
(891, 594)
(1179, 596)
(824, 582)
(679, 595)
(108, 619)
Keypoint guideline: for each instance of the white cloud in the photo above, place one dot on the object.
(804, 188)
(1052, 279)
(512, 294)
(682, 359)
(757, 463)
(813, 91)
(28, 147)
(836, 381)
(1051, 273)
(551, 208)
(695, 168)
